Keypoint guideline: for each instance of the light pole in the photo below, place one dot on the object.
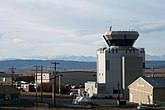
(41, 88)
(60, 84)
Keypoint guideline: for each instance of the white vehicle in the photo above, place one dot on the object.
(79, 100)
(74, 94)
(143, 107)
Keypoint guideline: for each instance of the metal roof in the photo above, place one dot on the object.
(8, 75)
(156, 82)
(120, 38)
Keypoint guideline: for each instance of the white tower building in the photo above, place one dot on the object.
(119, 64)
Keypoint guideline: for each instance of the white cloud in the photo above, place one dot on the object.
(17, 40)
(154, 26)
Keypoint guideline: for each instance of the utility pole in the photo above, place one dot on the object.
(36, 74)
(12, 73)
(153, 72)
(41, 81)
(54, 84)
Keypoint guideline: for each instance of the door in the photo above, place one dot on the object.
(130, 97)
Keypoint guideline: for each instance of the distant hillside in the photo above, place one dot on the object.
(77, 58)
(26, 65)
(155, 58)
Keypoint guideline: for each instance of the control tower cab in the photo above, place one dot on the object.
(120, 38)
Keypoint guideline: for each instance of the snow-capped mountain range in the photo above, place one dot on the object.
(78, 58)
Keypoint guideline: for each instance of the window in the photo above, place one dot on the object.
(115, 91)
(107, 65)
(143, 65)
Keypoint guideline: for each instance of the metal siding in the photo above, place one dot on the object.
(159, 94)
(133, 70)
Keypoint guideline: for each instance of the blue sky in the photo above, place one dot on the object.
(31, 28)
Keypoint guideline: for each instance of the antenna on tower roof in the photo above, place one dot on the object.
(110, 28)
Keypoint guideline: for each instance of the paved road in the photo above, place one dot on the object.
(59, 101)
(65, 101)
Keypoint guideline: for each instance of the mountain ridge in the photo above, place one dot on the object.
(79, 58)
(65, 58)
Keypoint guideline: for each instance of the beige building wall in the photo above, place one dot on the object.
(141, 92)
(5, 81)
(91, 88)
(45, 78)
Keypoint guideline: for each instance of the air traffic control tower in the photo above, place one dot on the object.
(120, 63)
